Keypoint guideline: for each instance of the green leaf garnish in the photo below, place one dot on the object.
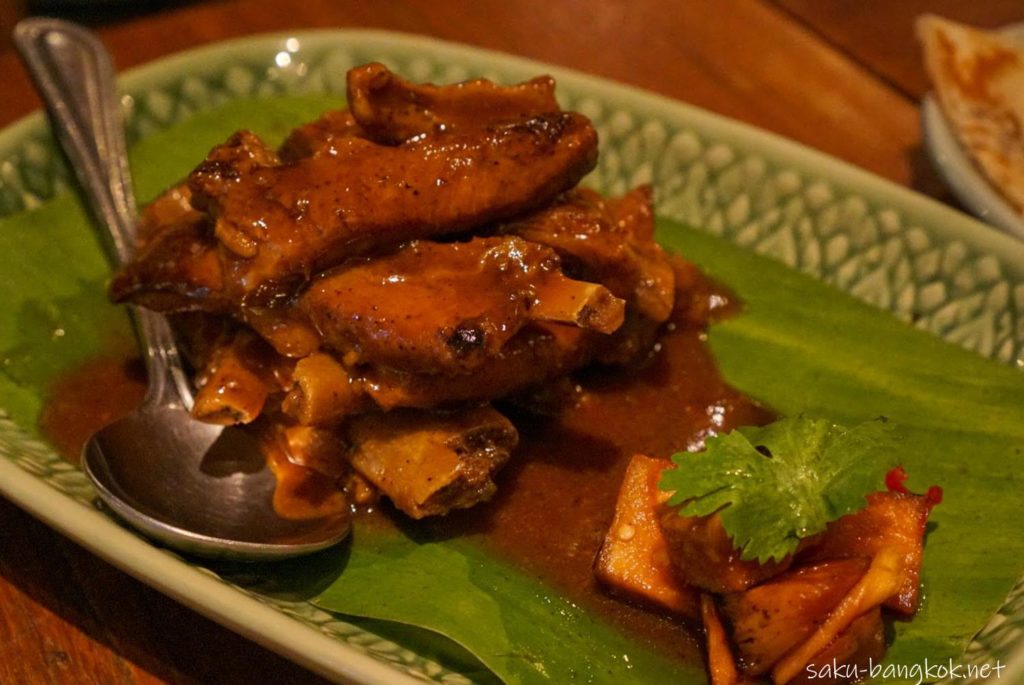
(776, 485)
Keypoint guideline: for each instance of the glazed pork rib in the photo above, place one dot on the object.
(609, 241)
(242, 371)
(448, 307)
(540, 353)
(391, 110)
(277, 224)
(178, 270)
(428, 463)
(176, 266)
(325, 392)
(318, 136)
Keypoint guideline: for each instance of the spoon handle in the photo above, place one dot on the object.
(75, 76)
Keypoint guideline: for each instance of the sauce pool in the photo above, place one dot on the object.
(95, 394)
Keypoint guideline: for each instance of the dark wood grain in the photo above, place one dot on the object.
(880, 33)
(832, 75)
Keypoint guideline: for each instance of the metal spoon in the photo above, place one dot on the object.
(199, 488)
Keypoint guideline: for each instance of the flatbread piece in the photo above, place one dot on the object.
(979, 79)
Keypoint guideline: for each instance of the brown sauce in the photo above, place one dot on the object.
(95, 394)
(556, 499)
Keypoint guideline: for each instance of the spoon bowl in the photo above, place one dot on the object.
(199, 488)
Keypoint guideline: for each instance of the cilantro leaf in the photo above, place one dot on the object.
(783, 482)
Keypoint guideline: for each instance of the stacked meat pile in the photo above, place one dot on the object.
(362, 294)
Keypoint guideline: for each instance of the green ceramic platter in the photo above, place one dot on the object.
(926, 264)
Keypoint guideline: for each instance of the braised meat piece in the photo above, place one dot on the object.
(318, 136)
(540, 353)
(241, 373)
(178, 270)
(391, 110)
(171, 208)
(339, 384)
(704, 556)
(609, 241)
(313, 479)
(325, 392)
(288, 330)
(428, 463)
(276, 224)
(448, 307)
(176, 266)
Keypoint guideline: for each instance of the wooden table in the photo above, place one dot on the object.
(840, 76)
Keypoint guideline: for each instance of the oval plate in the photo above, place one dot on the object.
(882, 243)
